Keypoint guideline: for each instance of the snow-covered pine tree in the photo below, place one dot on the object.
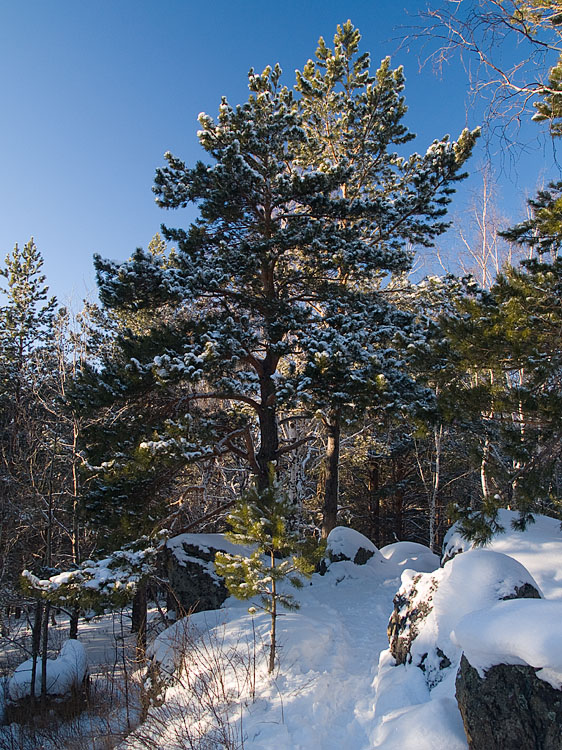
(278, 240)
(244, 284)
(360, 359)
(127, 492)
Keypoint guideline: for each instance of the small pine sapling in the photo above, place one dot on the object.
(261, 520)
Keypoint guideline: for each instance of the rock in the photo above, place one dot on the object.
(410, 612)
(189, 560)
(67, 684)
(428, 606)
(411, 555)
(347, 545)
(509, 708)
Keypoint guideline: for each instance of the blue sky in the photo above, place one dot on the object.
(93, 94)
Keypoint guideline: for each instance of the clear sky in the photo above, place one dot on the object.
(94, 92)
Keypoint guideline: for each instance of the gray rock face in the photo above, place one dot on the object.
(361, 557)
(189, 560)
(194, 584)
(407, 618)
(510, 708)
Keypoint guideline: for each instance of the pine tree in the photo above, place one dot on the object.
(353, 118)
(280, 255)
(242, 284)
(506, 346)
(261, 520)
(27, 434)
(24, 318)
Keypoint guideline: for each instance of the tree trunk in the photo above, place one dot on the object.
(484, 470)
(273, 634)
(44, 652)
(75, 540)
(331, 486)
(74, 617)
(398, 501)
(374, 501)
(269, 429)
(438, 437)
(138, 620)
(35, 645)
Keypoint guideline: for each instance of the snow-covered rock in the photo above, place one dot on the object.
(414, 555)
(428, 606)
(190, 564)
(538, 548)
(524, 631)
(64, 674)
(509, 685)
(346, 545)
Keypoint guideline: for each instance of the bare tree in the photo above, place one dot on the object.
(478, 248)
(512, 53)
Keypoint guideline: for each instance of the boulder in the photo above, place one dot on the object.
(509, 684)
(429, 605)
(509, 708)
(67, 684)
(189, 560)
(411, 555)
(347, 545)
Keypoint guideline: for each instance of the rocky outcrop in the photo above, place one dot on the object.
(428, 606)
(189, 561)
(193, 582)
(509, 708)
(409, 615)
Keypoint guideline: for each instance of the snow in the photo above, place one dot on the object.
(322, 694)
(64, 673)
(344, 542)
(489, 637)
(205, 542)
(337, 684)
(113, 696)
(538, 548)
(420, 557)
(474, 580)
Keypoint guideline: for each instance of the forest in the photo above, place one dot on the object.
(282, 357)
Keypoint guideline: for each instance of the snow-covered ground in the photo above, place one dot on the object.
(337, 685)
(113, 702)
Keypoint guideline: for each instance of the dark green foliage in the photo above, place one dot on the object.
(549, 109)
(541, 232)
(95, 586)
(507, 345)
(272, 299)
(355, 120)
(262, 520)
